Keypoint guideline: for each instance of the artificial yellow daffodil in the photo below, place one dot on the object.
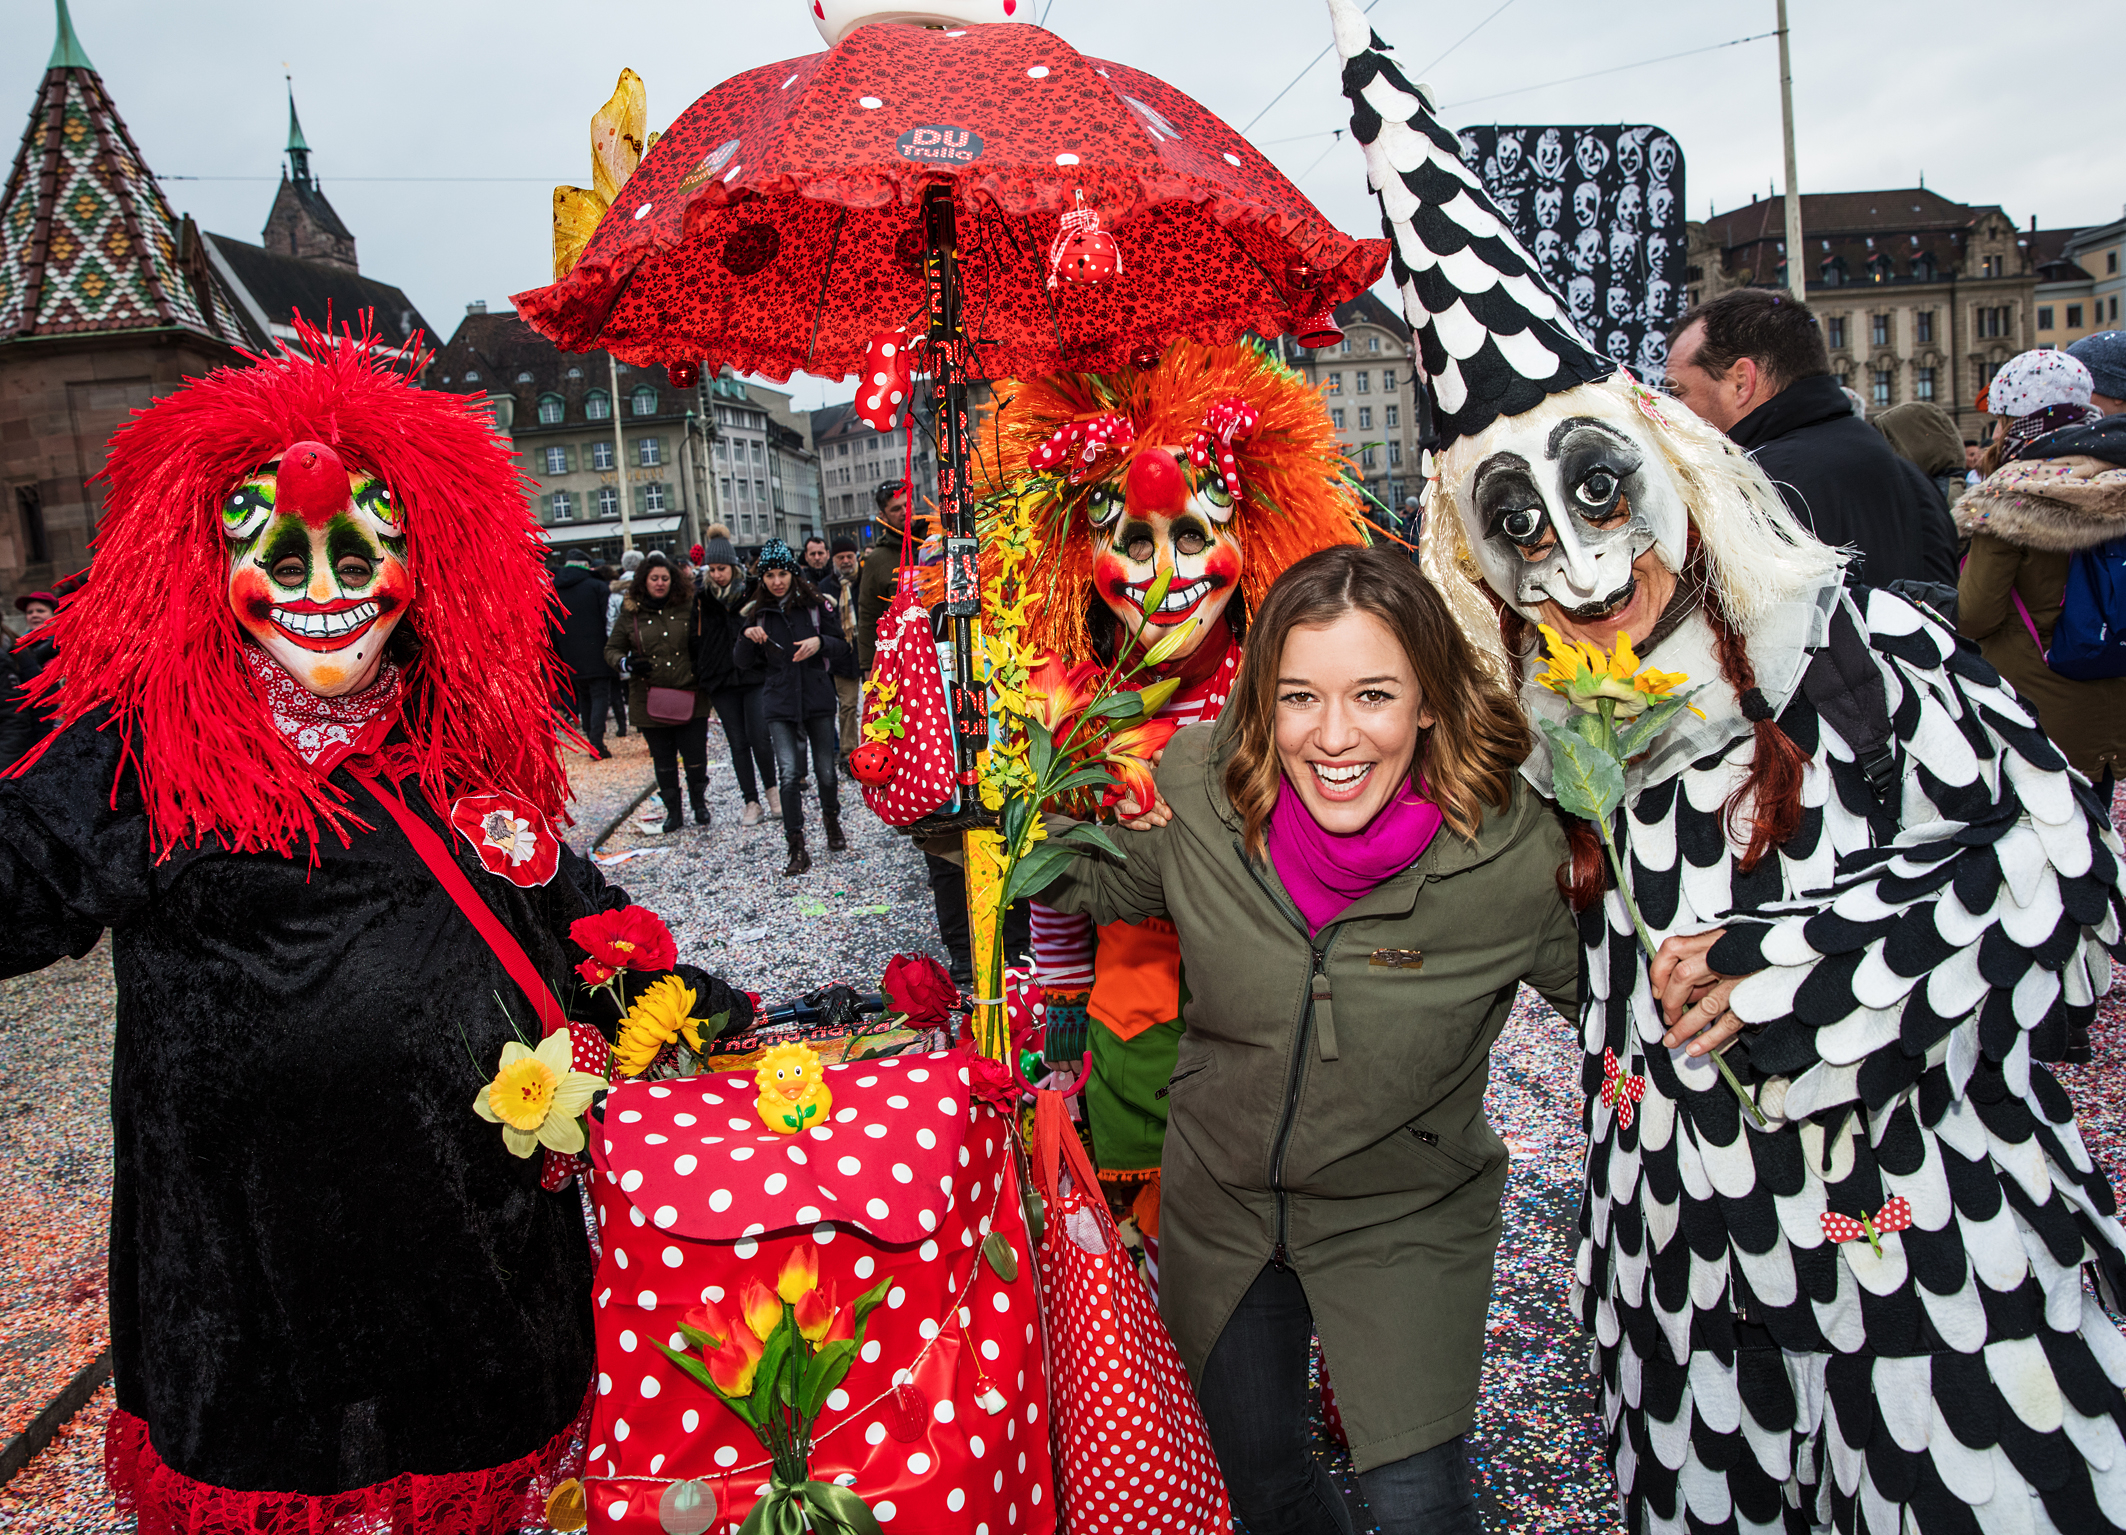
(536, 1099)
(1586, 674)
(652, 1022)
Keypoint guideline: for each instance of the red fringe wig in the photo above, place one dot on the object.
(152, 638)
(1296, 496)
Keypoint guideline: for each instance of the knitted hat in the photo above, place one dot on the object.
(716, 547)
(843, 545)
(2104, 355)
(2033, 381)
(776, 555)
(1493, 338)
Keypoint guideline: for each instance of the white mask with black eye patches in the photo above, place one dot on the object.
(1558, 510)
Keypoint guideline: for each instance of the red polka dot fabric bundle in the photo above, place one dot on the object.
(942, 1423)
(1130, 1439)
(907, 690)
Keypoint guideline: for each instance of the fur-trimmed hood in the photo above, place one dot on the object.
(2060, 504)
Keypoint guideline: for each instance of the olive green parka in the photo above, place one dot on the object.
(657, 640)
(1327, 1106)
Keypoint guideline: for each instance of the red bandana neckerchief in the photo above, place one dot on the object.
(327, 731)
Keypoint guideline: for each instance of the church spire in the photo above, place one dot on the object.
(298, 146)
(67, 52)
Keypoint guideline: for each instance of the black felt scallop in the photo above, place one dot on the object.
(1966, 1398)
(1937, 1258)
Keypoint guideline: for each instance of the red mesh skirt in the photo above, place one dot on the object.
(494, 1501)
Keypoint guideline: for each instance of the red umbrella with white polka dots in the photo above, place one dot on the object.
(780, 224)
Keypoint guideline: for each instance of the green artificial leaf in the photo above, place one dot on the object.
(1652, 723)
(1123, 704)
(1095, 836)
(869, 1301)
(707, 1343)
(996, 1248)
(1016, 811)
(774, 1354)
(1036, 871)
(743, 1406)
(1587, 780)
(823, 1372)
(1092, 775)
(1040, 748)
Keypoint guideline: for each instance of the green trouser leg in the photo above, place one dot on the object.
(1121, 1097)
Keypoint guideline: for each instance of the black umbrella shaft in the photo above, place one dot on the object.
(948, 350)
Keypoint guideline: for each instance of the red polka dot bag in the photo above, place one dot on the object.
(1130, 1440)
(905, 764)
(892, 1172)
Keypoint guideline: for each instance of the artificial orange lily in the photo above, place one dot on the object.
(800, 1273)
(816, 1312)
(732, 1367)
(1057, 694)
(762, 1309)
(1127, 754)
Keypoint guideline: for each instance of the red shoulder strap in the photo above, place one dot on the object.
(436, 855)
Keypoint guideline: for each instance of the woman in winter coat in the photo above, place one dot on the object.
(1360, 884)
(734, 690)
(653, 643)
(2059, 490)
(790, 633)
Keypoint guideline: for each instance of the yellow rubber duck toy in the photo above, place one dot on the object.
(793, 1089)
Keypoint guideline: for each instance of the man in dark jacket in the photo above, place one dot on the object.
(875, 583)
(579, 640)
(1753, 363)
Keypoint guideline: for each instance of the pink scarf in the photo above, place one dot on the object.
(1326, 871)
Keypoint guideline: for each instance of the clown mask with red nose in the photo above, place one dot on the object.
(1163, 516)
(317, 566)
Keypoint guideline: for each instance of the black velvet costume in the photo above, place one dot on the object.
(325, 1269)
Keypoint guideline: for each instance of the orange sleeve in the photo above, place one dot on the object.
(1136, 976)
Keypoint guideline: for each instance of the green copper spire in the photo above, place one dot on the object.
(298, 146)
(67, 52)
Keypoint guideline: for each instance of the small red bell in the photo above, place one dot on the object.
(1083, 251)
(872, 764)
(884, 390)
(684, 375)
(1318, 328)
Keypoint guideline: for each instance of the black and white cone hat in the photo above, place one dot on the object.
(1493, 338)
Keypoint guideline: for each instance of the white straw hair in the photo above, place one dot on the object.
(1759, 555)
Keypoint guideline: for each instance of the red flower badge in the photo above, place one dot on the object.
(512, 838)
(917, 985)
(632, 938)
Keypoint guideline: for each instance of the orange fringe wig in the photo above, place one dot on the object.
(150, 636)
(1297, 491)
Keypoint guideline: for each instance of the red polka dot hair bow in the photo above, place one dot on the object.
(1894, 1216)
(1619, 1091)
(1075, 447)
(1226, 423)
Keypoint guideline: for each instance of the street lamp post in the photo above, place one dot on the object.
(627, 531)
(1797, 279)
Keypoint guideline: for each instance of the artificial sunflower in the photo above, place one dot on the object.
(1586, 674)
(536, 1099)
(655, 1020)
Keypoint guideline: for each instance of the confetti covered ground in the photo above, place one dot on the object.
(1537, 1444)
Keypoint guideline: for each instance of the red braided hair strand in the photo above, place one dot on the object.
(1772, 791)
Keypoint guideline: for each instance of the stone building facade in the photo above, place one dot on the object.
(1369, 382)
(855, 458)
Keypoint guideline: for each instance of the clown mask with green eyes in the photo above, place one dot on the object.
(1161, 516)
(317, 566)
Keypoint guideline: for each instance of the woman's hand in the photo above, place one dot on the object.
(757, 635)
(806, 649)
(1693, 995)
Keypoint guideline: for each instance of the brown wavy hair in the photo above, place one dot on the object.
(1478, 739)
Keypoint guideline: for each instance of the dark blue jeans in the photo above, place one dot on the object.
(790, 738)
(1254, 1396)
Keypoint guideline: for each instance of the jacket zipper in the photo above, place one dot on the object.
(1279, 1255)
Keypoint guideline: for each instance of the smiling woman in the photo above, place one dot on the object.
(1359, 881)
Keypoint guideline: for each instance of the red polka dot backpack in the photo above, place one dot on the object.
(900, 1177)
(904, 765)
(1131, 1446)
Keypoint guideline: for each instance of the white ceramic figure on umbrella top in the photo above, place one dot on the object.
(836, 19)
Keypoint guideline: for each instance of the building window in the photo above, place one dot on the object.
(841, 450)
(551, 410)
(653, 498)
(756, 452)
(760, 491)
(598, 405)
(2114, 306)
(563, 509)
(1992, 321)
(557, 461)
(1365, 382)
(1365, 457)
(1923, 326)
(727, 490)
(1372, 343)
(1336, 417)
(1395, 455)
(2044, 317)
(471, 377)
(1878, 330)
(1841, 379)
(1344, 345)
(2074, 318)
(601, 455)
(644, 401)
(1990, 266)
(1336, 383)
(2111, 262)
(1365, 418)
(1832, 272)
(1923, 384)
(575, 373)
(1835, 332)
(1393, 416)
(649, 452)
(608, 501)
(1879, 387)
(1387, 381)
(1923, 269)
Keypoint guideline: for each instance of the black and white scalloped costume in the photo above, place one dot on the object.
(1910, 965)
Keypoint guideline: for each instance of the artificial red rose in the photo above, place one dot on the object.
(917, 985)
(991, 1082)
(632, 938)
(595, 974)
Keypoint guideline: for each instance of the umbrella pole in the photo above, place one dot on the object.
(981, 847)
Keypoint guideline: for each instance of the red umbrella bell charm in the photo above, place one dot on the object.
(1083, 251)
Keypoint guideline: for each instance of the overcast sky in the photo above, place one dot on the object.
(392, 91)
